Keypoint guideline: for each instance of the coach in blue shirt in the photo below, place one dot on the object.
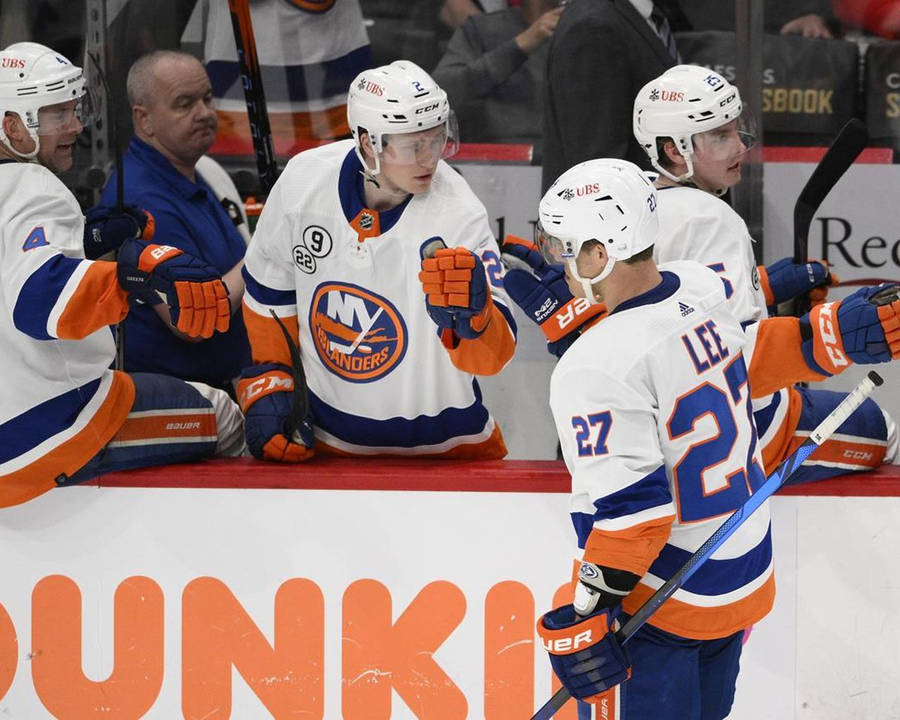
(175, 124)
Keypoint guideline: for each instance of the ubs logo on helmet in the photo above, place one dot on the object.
(358, 335)
(672, 96)
(12, 62)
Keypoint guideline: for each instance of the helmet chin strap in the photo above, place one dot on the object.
(587, 284)
(683, 179)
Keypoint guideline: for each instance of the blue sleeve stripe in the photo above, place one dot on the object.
(650, 491)
(266, 295)
(289, 83)
(400, 432)
(716, 577)
(40, 294)
(43, 421)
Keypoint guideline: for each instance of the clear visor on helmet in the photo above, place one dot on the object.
(553, 250)
(425, 146)
(68, 116)
(728, 141)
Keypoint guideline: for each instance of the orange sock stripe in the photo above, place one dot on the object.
(98, 301)
(39, 477)
(705, 623)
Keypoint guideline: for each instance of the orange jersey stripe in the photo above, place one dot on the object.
(705, 623)
(39, 477)
(633, 549)
(777, 360)
(266, 339)
(171, 426)
(98, 301)
(488, 353)
(494, 448)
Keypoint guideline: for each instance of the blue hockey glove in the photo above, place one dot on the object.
(266, 396)
(106, 228)
(544, 297)
(863, 328)
(196, 296)
(584, 652)
(784, 280)
(456, 293)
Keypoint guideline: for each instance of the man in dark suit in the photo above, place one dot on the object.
(602, 53)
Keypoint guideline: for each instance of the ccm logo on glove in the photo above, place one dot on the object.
(831, 342)
(265, 385)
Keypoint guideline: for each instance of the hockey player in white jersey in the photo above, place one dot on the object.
(379, 261)
(689, 122)
(651, 406)
(65, 417)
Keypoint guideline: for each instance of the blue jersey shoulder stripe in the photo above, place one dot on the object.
(39, 295)
(43, 421)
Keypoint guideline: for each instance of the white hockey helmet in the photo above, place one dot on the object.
(608, 200)
(32, 77)
(682, 102)
(396, 99)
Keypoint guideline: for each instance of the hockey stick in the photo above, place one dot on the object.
(787, 468)
(257, 114)
(300, 398)
(845, 148)
(120, 189)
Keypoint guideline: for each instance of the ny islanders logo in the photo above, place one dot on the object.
(358, 335)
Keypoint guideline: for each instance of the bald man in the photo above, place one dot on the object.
(196, 208)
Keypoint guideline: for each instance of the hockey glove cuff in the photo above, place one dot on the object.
(106, 228)
(784, 280)
(584, 652)
(266, 393)
(548, 302)
(863, 328)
